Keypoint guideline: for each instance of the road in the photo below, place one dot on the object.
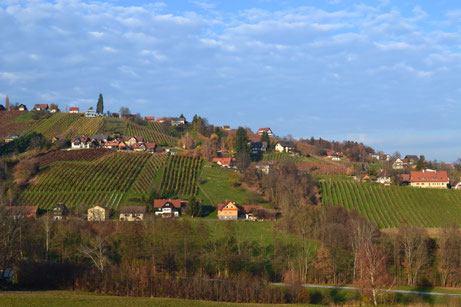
(383, 290)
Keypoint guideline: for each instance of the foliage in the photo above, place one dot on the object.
(100, 105)
(23, 143)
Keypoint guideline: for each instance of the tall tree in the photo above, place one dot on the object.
(420, 164)
(193, 208)
(7, 103)
(265, 138)
(100, 105)
(242, 149)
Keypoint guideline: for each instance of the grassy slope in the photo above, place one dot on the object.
(70, 298)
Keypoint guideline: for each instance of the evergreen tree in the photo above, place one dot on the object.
(100, 105)
(265, 138)
(420, 164)
(241, 141)
(7, 103)
(193, 208)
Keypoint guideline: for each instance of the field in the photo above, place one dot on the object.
(145, 182)
(180, 176)
(151, 133)
(15, 122)
(387, 207)
(81, 184)
(72, 155)
(84, 126)
(57, 124)
(278, 156)
(312, 165)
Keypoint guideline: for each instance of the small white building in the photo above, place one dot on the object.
(90, 112)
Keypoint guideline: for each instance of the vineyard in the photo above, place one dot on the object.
(278, 156)
(150, 134)
(388, 206)
(180, 175)
(160, 128)
(9, 125)
(57, 124)
(145, 181)
(80, 184)
(85, 126)
(73, 155)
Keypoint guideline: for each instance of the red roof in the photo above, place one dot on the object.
(74, 109)
(149, 118)
(151, 145)
(223, 161)
(112, 143)
(41, 106)
(428, 176)
(221, 206)
(177, 203)
(261, 130)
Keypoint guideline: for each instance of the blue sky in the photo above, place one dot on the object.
(382, 72)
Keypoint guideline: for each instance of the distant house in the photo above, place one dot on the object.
(22, 107)
(111, 144)
(226, 128)
(256, 148)
(58, 138)
(228, 211)
(41, 107)
(90, 113)
(18, 212)
(11, 137)
(150, 119)
(169, 207)
(411, 159)
(150, 147)
(224, 162)
(429, 179)
(404, 179)
(132, 213)
(81, 142)
(74, 110)
(60, 212)
(100, 139)
(456, 185)
(174, 121)
(284, 146)
(383, 178)
(264, 167)
(122, 146)
(334, 155)
(139, 147)
(97, 214)
(398, 164)
(131, 140)
(267, 130)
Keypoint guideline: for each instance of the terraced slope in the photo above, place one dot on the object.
(84, 126)
(145, 181)
(387, 207)
(150, 134)
(180, 175)
(57, 124)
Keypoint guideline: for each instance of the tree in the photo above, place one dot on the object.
(124, 111)
(47, 224)
(100, 105)
(188, 141)
(96, 251)
(193, 209)
(265, 138)
(449, 253)
(420, 164)
(242, 149)
(7, 103)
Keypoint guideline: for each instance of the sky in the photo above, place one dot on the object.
(385, 73)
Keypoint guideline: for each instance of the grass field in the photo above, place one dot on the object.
(387, 207)
(70, 298)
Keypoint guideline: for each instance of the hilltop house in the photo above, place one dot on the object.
(333, 155)
(228, 211)
(22, 107)
(169, 207)
(81, 142)
(267, 130)
(224, 162)
(97, 214)
(411, 159)
(429, 179)
(174, 121)
(90, 113)
(398, 164)
(11, 137)
(60, 212)
(150, 119)
(74, 110)
(19, 212)
(284, 146)
(132, 213)
(41, 107)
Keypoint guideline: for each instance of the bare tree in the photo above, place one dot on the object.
(10, 229)
(449, 253)
(188, 141)
(46, 222)
(124, 111)
(96, 251)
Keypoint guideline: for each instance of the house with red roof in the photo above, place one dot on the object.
(169, 207)
(429, 179)
(224, 162)
(228, 211)
(74, 110)
(150, 119)
(150, 146)
(112, 144)
(81, 142)
(41, 107)
(267, 130)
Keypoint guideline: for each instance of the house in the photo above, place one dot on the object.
(178, 121)
(411, 159)
(74, 110)
(228, 211)
(150, 147)
(22, 107)
(11, 137)
(404, 179)
(456, 185)
(100, 139)
(257, 213)
(97, 214)
(150, 119)
(122, 146)
(226, 128)
(18, 212)
(60, 212)
(264, 167)
(132, 213)
(383, 178)
(284, 146)
(41, 107)
(429, 179)
(257, 147)
(267, 130)
(81, 142)
(54, 108)
(112, 144)
(169, 207)
(58, 138)
(224, 162)
(398, 164)
(334, 155)
(375, 157)
(90, 112)
(139, 147)
(385, 157)
(131, 140)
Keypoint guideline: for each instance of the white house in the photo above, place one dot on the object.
(132, 213)
(90, 112)
(267, 130)
(284, 146)
(398, 164)
(81, 142)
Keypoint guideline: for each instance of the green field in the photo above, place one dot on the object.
(150, 133)
(388, 206)
(179, 177)
(277, 156)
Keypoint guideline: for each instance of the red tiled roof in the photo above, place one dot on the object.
(74, 109)
(151, 145)
(428, 176)
(221, 206)
(149, 118)
(41, 106)
(112, 143)
(177, 203)
(223, 161)
(264, 129)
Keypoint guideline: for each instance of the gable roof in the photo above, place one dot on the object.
(428, 176)
(74, 109)
(221, 206)
(151, 145)
(264, 130)
(223, 161)
(177, 203)
(112, 143)
(286, 143)
(133, 209)
(41, 106)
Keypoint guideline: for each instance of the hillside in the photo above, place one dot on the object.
(388, 206)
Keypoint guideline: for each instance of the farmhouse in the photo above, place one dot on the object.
(19, 212)
(169, 207)
(174, 121)
(11, 137)
(224, 162)
(81, 142)
(100, 139)
(139, 147)
(334, 155)
(74, 110)
(150, 119)
(60, 212)
(132, 213)
(429, 179)
(411, 159)
(90, 112)
(41, 107)
(267, 130)
(22, 107)
(228, 211)
(264, 167)
(150, 147)
(114, 144)
(398, 164)
(257, 213)
(131, 140)
(97, 214)
(284, 146)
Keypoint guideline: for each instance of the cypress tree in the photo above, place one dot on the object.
(100, 105)
(7, 103)
(265, 138)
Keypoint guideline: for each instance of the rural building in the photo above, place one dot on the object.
(224, 162)
(150, 119)
(60, 212)
(429, 179)
(258, 147)
(411, 159)
(100, 139)
(264, 167)
(139, 147)
(112, 144)
(19, 212)
(398, 164)
(174, 121)
(41, 107)
(169, 207)
(384, 179)
(131, 140)
(334, 155)
(267, 130)
(150, 147)
(97, 214)
(257, 213)
(58, 138)
(22, 107)
(226, 128)
(90, 112)
(81, 142)
(132, 213)
(74, 110)
(228, 211)
(11, 137)
(284, 146)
